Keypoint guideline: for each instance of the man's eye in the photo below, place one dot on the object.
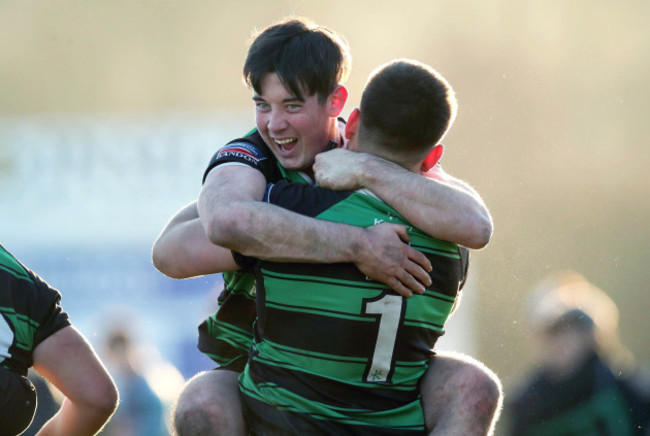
(262, 106)
(293, 107)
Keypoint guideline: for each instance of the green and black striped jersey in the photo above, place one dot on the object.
(226, 335)
(337, 353)
(30, 312)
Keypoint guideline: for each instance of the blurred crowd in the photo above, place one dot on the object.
(584, 380)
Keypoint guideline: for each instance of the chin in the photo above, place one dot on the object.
(290, 164)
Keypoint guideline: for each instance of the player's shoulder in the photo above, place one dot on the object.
(250, 147)
(25, 292)
(11, 265)
(249, 150)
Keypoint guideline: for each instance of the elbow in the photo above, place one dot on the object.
(214, 228)
(226, 225)
(168, 264)
(157, 258)
(226, 228)
(168, 268)
(480, 233)
(101, 400)
(107, 404)
(162, 263)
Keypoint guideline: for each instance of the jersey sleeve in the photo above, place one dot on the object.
(53, 317)
(241, 152)
(302, 198)
(31, 309)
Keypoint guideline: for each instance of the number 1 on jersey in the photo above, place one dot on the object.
(389, 309)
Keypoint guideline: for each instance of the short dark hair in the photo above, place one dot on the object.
(574, 319)
(406, 106)
(306, 57)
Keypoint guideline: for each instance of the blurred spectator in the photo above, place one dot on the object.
(585, 382)
(141, 411)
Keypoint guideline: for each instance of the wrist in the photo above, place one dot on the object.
(357, 245)
(368, 170)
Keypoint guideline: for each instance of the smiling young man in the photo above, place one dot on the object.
(296, 70)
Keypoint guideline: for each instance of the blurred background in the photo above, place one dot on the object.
(109, 112)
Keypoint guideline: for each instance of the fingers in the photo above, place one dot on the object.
(402, 233)
(421, 260)
(416, 278)
(418, 268)
(391, 261)
(405, 279)
(399, 287)
(396, 277)
(408, 280)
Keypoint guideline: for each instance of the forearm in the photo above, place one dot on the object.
(440, 206)
(75, 419)
(68, 361)
(269, 232)
(183, 249)
(233, 216)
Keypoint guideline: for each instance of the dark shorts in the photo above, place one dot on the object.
(17, 402)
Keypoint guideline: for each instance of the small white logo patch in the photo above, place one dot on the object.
(6, 338)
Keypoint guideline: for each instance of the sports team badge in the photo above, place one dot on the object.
(241, 151)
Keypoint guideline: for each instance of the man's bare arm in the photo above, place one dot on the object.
(438, 204)
(68, 361)
(183, 250)
(233, 216)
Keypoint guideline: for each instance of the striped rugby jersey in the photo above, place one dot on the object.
(334, 352)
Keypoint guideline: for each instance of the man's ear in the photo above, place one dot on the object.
(353, 123)
(337, 100)
(433, 157)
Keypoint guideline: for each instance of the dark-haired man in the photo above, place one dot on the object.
(296, 119)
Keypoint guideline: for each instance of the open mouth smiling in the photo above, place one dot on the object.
(285, 144)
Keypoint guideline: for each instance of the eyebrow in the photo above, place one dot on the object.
(286, 100)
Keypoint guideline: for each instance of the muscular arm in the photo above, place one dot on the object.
(68, 361)
(233, 216)
(182, 249)
(438, 204)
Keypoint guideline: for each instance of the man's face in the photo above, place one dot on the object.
(295, 129)
(563, 352)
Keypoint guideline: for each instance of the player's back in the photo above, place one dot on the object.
(334, 352)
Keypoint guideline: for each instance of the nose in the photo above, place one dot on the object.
(276, 121)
